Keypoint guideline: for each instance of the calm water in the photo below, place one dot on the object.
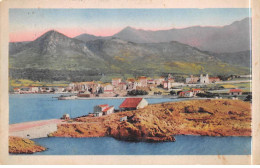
(184, 145)
(33, 107)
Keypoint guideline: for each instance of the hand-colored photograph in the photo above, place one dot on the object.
(130, 81)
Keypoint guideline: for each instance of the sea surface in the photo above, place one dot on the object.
(32, 107)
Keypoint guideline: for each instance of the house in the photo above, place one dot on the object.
(98, 114)
(59, 89)
(235, 92)
(34, 89)
(104, 109)
(159, 81)
(186, 94)
(143, 81)
(195, 91)
(108, 88)
(123, 118)
(214, 79)
(150, 81)
(168, 84)
(100, 107)
(122, 86)
(130, 83)
(65, 117)
(133, 104)
(116, 81)
(192, 80)
(25, 90)
(108, 110)
(16, 90)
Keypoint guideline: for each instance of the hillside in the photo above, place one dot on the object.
(54, 56)
(159, 122)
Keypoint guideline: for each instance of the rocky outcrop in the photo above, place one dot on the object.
(160, 122)
(20, 145)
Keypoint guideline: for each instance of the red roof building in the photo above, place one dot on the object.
(133, 104)
(235, 92)
(104, 109)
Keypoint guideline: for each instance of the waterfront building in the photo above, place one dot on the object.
(108, 88)
(133, 104)
(186, 94)
(98, 114)
(104, 109)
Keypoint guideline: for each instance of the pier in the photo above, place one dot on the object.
(34, 129)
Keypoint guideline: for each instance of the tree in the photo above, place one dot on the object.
(137, 92)
(172, 92)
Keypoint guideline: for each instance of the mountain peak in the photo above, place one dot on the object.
(51, 34)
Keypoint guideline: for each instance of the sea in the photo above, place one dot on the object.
(33, 107)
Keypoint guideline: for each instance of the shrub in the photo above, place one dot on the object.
(137, 92)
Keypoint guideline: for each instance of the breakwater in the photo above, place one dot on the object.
(34, 129)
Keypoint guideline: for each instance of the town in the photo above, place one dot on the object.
(201, 86)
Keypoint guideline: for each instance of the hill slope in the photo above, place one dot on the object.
(58, 55)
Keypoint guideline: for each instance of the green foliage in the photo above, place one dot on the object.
(137, 92)
(172, 92)
(207, 94)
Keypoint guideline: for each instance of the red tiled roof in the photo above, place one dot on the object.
(103, 105)
(195, 89)
(235, 90)
(108, 108)
(130, 79)
(142, 77)
(130, 102)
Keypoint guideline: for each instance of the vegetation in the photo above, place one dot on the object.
(248, 98)
(207, 94)
(137, 92)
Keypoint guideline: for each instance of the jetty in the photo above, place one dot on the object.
(34, 129)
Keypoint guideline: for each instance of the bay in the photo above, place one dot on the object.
(34, 107)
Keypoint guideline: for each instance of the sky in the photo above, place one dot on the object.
(28, 24)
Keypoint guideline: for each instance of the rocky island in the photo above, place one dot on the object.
(20, 145)
(160, 122)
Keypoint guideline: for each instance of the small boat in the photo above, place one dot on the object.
(70, 97)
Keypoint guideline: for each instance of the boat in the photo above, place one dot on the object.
(70, 97)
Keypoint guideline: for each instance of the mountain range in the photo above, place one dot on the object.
(225, 39)
(54, 56)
